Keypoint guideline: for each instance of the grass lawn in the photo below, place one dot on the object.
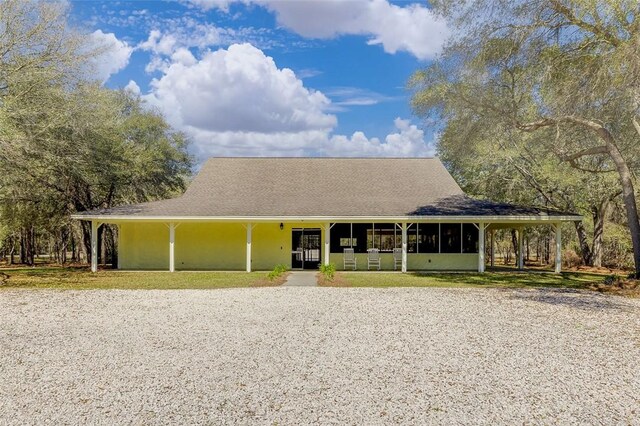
(81, 278)
(574, 280)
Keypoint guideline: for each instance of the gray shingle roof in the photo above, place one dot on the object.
(321, 187)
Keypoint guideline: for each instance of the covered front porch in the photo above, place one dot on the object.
(421, 244)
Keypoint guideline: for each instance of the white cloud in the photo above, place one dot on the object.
(236, 101)
(408, 141)
(114, 55)
(412, 28)
(239, 89)
(133, 87)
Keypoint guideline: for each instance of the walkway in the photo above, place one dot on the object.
(302, 279)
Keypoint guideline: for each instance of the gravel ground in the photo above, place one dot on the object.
(319, 355)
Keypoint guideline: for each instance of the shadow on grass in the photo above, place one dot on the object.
(512, 279)
(592, 301)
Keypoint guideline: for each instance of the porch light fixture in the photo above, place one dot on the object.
(281, 226)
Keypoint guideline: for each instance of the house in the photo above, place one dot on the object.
(254, 213)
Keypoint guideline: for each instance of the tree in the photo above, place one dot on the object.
(564, 70)
(66, 143)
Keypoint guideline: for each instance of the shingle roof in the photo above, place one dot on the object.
(322, 187)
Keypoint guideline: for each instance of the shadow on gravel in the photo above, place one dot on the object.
(572, 298)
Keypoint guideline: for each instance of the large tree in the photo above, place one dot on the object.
(565, 70)
(66, 143)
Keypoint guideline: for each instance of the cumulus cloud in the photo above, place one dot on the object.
(236, 101)
(133, 87)
(406, 141)
(411, 28)
(114, 54)
(238, 89)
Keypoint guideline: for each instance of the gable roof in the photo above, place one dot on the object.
(321, 187)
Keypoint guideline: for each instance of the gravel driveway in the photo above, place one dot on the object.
(319, 355)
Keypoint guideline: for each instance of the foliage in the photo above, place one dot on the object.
(328, 271)
(277, 272)
(550, 88)
(68, 144)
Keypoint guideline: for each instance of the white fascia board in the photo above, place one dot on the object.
(349, 219)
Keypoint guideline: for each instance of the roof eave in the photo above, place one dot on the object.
(412, 218)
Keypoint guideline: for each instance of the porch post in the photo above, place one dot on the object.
(249, 227)
(404, 247)
(520, 248)
(493, 247)
(172, 241)
(481, 261)
(94, 246)
(327, 242)
(558, 248)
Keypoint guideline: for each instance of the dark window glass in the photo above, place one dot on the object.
(382, 237)
(428, 238)
(340, 237)
(469, 238)
(450, 237)
(360, 236)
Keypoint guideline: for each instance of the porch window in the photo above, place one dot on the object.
(469, 238)
(428, 238)
(450, 238)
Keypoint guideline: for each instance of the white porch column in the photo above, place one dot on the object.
(481, 261)
(327, 243)
(249, 227)
(521, 248)
(94, 246)
(558, 248)
(493, 247)
(404, 247)
(172, 243)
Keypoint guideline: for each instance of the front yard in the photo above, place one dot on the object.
(81, 278)
(567, 280)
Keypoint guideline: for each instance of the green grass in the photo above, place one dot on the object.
(470, 279)
(81, 278)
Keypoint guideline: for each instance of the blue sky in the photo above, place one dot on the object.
(263, 77)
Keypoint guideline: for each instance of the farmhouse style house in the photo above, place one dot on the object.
(254, 213)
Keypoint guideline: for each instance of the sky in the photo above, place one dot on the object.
(273, 77)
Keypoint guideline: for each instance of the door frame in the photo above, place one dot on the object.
(314, 230)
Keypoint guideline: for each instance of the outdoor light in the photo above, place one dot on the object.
(281, 226)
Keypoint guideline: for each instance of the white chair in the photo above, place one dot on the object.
(349, 259)
(373, 258)
(397, 258)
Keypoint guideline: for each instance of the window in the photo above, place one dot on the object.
(428, 238)
(340, 237)
(360, 237)
(469, 238)
(382, 236)
(450, 238)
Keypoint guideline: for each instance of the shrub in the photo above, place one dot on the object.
(328, 271)
(611, 280)
(277, 272)
(570, 258)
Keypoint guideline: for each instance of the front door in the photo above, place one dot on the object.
(305, 248)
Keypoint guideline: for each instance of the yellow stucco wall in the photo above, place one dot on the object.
(206, 246)
(222, 246)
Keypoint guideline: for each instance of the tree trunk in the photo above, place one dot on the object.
(599, 217)
(86, 239)
(628, 195)
(585, 250)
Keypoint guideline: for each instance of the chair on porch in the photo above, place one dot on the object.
(373, 258)
(397, 258)
(349, 259)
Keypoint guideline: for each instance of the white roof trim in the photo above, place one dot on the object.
(366, 219)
